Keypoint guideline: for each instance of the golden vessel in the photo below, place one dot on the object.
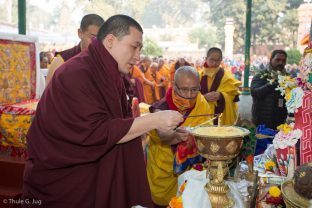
(219, 145)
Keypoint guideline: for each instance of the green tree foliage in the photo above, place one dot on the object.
(266, 22)
(103, 8)
(273, 22)
(293, 4)
(293, 56)
(219, 11)
(151, 48)
(171, 13)
(290, 24)
(133, 8)
(204, 37)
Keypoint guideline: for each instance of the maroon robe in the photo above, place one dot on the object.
(67, 54)
(133, 91)
(74, 160)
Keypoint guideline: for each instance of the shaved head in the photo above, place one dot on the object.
(147, 58)
(186, 72)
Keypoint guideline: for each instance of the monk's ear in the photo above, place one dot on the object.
(80, 33)
(109, 41)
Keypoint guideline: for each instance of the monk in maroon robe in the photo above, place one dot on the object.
(83, 145)
(89, 27)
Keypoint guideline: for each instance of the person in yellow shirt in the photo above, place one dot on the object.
(185, 97)
(220, 88)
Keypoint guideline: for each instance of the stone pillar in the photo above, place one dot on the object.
(304, 18)
(229, 34)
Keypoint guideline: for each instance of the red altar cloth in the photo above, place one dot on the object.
(303, 121)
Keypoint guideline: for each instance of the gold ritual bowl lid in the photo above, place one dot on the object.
(291, 197)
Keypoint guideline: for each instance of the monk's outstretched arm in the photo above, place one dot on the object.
(162, 120)
(146, 81)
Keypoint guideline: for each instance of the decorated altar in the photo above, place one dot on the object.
(282, 175)
(19, 75)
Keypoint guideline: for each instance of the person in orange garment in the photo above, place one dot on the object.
(148, 80)
(89, 27)
(137, 79)
(180, 62)
(145, 63)
(164, 72)
(220, 88)
(157, 80)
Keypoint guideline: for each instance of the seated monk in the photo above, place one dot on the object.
(220, 88)
(185, 97)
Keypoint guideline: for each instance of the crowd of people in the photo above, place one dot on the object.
(84, 145)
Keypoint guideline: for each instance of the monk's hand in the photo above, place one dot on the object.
(210, 96)
(168, 120)
(217, 95)
(175, 136)
(182, 135)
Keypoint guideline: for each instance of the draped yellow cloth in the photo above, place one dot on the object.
(136, 73)
(162, 180)
(229, 87)
(164, 71)
(157, 80)
(211, 74)
(149, 96)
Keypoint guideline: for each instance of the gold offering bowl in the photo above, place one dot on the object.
(219, 145)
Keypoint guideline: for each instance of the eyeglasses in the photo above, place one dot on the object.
(186, 91)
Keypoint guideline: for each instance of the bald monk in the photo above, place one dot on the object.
(183, 97)
(220, 88)
(84, 147)
(89, 27)
(145, 63)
